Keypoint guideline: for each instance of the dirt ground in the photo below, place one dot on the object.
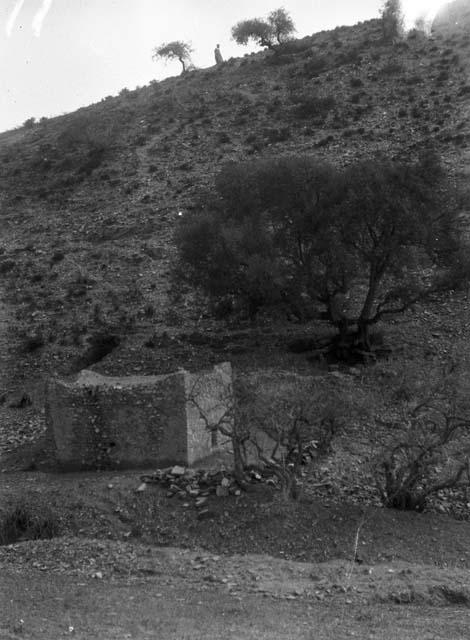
(34, 606)
(138, 565)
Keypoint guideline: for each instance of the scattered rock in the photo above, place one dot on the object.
(205, 514)
(195, 483)
(177, 471)
(19, 400)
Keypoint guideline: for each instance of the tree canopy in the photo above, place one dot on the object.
(363, 243)
(176, 50)
(276, 29)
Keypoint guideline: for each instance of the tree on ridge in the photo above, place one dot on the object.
(271, 33)
(392, 20)
(175, 50)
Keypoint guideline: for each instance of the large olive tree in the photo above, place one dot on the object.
(364, 243)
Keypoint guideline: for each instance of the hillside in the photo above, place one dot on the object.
(89, 203)
(89, 200)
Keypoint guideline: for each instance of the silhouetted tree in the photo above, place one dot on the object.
(176, 50)
(272, 32)
(392, 20)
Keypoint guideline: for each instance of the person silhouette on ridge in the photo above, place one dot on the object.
(218, 55)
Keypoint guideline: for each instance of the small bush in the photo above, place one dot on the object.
(428, 449)
(23, 521)
(325, 141)
(349, 56)
(101, 344)
(277, 135)
(223, 137)
(442, 77)
(313, 106)
(93, 160)
(33, 342)
(7, 265)
(391, 69)
(314, 67)
(356, 83)
(57, 256)
(280, 59)
(295, 47)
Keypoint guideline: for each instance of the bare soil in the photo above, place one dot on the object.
(140, 565)
(34, 606)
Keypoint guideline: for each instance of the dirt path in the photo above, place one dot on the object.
(170, 605)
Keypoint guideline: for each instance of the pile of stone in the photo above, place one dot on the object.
(195, 485)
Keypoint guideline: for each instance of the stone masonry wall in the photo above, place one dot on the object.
(100, 422)
(209, 398)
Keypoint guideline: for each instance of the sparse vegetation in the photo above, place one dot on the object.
(313, 106)
(339, 286)
(29, 123)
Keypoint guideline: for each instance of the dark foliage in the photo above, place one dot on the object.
(365, 242)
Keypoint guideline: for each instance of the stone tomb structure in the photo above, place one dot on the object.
(102, 422)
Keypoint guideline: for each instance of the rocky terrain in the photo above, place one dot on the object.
(90, 200)
(89, 203)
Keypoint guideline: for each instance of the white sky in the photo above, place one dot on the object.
(59, 55)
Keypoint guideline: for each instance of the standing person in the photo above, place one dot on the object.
(218, 55)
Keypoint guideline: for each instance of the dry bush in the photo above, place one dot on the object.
(290, 422)
(426, 448)
(280, 423)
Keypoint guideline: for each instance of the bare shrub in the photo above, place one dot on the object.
(291, 422)
(427, 448)
(279, 423)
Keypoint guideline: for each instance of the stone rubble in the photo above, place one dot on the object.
(198, 484)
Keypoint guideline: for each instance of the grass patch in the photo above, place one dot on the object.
(24, 521)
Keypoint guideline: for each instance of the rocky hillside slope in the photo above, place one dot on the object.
(89, 200)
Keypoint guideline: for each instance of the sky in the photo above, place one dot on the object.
(59, 55)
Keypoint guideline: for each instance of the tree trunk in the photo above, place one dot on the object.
(363, 336)
(238, 463)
